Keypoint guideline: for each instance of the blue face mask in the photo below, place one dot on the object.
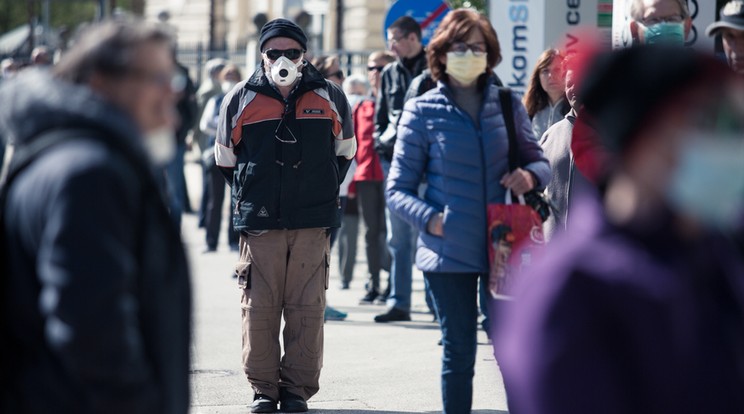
(708, 183)
(666, 33)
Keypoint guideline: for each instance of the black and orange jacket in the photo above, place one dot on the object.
(284, 158)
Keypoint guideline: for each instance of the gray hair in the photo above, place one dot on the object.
(353, 81)
(215, 66)
(108, 48)
(635, 9)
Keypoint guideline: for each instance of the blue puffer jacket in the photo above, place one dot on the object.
(438, 142)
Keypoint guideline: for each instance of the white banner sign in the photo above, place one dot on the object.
(527, 27)
(520, 25)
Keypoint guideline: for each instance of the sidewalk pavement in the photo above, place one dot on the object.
(368, 367)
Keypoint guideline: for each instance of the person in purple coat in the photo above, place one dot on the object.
(640, 307)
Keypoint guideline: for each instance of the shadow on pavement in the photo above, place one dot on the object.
(407, 325)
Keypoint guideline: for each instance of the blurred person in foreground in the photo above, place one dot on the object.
(96, 298)
(659, 21)
(640, 307)
(285, 141)
(454, 137)
(731, 28)
(545, 98)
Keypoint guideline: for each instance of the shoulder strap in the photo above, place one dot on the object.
(508, 113)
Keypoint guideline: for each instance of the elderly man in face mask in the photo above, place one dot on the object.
(284, 142)
(659, 21)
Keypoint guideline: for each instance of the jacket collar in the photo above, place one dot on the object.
(416, 64)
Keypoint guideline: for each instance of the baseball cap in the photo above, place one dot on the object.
(732, 17)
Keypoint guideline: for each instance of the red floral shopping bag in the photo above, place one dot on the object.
(514, 234)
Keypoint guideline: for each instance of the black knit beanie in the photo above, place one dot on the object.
(282, 28)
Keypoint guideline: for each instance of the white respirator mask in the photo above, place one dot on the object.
(284, 72)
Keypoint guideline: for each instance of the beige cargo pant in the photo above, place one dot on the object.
(283, 272)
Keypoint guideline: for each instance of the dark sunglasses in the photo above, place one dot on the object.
(375, 68)
(291, 54)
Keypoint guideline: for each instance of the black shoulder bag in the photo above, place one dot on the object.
(534, 198)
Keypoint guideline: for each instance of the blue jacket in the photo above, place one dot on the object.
(462, 164)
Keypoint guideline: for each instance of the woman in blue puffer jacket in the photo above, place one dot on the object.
(455, 138)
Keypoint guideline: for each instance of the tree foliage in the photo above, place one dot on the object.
(62, 13)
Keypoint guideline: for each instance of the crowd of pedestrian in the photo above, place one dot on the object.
(637, 293)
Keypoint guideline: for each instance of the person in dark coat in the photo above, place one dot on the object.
(96, 299)
(639, 307)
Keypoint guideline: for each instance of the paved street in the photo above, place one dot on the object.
(368, 367)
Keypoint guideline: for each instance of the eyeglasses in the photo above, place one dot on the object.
(669, 19)
(375, 68)
(291, 54)
(395, 40)
(176, 82)
(460, 48)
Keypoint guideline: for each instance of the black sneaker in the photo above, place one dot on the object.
(381, 300)
(369, 298)
(262, 403)
(292, 403)
(393, 315)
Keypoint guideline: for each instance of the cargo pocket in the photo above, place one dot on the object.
(257, 344)
(243, 273)
(311, 340)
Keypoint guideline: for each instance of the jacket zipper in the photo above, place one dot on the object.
(484, 163)
(281, 164)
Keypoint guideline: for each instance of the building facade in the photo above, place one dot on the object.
(331, 25)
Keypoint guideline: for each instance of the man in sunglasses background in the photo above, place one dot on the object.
(404, 40)
(285, 140)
